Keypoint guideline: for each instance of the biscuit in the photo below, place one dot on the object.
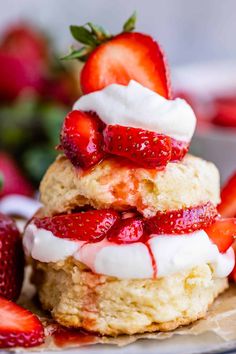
(79, 298)
(112, 185)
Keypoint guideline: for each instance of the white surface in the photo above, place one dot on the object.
(172, 254)
(138, 107)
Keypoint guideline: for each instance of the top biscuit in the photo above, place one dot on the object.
(111, 184)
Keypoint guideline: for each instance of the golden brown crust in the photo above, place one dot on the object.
(111, 185)
(79, 298)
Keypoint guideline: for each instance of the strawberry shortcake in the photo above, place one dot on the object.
(129, 239)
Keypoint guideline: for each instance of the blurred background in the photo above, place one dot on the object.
(37, 89)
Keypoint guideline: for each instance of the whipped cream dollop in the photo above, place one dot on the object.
(138, 107)
(170, 254)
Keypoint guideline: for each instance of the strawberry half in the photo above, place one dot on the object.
(179, 149)
(81, 138)
(119, 59)
(18, 326)
(126, 231)
(144, 147)
(181, 221)
(89, 226)
(11, 259)
(227, 207)
(222, 232)
(128, 56)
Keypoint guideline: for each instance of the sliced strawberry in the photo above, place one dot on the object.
(128, 56)
(126, 231)
(11, 259)
(81, 138)
(227, 207)
(18, 326)
(13, 180)
(222, 232)
(89, 226)
(145, 148)
(179, 149)
(181, 221)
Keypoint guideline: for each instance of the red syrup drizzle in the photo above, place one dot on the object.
(154, 263)
(65, 337)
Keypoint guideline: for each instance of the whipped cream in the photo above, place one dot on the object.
(138, 107)
(171, 254)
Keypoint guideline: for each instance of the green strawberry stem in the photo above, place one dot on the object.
(91, 36)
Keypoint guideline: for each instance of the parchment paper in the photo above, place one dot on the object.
(221, 320)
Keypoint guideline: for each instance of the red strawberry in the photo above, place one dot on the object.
(119, 59)
(24, 56)
(179, 149)
(19, 327)
(225, 112)
(145, 148)
(24, 75)
(13, 180)
(227, 207)
(128, 56)
(182, 221)
(89, 226)
(11, 259)
(81, 138)
(126, 231)
(222, 232)
(26, 42)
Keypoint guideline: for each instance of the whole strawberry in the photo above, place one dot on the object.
(14, 182)
(11, 259)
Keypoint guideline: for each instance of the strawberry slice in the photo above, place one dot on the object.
(145, 148)
(126, 231)
(18, 326)
(181, 221)
(119, 59)
(128, 56)
(227, 207)
(11, 259)
(81, 138)
(179, 149)
(89, 226)
(222, 233)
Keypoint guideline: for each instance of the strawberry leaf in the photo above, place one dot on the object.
(99, 32)
(80, 54)
(83, 35)
(129, 25)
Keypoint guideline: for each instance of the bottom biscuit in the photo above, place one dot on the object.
(79, 298)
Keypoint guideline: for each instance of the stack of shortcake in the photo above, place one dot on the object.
(128, 239)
